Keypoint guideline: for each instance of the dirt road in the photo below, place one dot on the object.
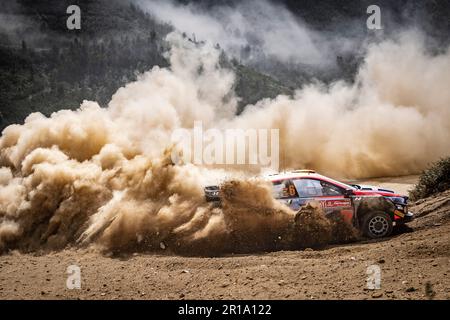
(413, 265)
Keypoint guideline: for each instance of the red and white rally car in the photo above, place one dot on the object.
(375, 212)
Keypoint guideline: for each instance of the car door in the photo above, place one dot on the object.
(330, 197)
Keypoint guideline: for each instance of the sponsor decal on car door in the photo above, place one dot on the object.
(330, 196)
(341, 205)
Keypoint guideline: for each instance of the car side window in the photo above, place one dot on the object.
(284, 189)
(308, 188)
(329, 189)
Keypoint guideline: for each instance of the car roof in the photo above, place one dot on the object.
(291, 175)
(298, 174)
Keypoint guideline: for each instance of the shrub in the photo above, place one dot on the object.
(433, 180)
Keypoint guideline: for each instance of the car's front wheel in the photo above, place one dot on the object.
(377, 224)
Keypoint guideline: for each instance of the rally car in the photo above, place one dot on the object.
(375, 212)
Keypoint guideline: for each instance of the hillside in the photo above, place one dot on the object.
(44, 67)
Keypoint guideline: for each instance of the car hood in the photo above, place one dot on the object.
(376, 192)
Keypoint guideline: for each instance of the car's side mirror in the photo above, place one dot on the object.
(348, 193)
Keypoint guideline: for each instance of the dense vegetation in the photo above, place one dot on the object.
(44, 67)
(433, 180)
(53, 68)
(61, 77)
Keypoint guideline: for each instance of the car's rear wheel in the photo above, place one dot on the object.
(377, 224)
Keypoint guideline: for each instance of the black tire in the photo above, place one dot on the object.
(377, 224)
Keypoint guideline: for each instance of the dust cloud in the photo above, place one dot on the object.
(394, 120)
(104, 176)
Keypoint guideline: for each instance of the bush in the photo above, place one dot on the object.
(433, 180)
